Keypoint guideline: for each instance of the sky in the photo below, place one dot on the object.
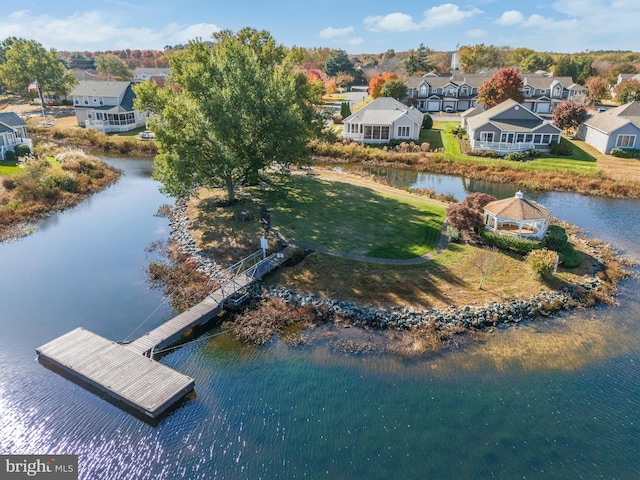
(372, 26)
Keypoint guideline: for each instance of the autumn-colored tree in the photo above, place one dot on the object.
(330, 86)
(597, 89)
(343, 80)
(314, 79)
(376, 83)
(569, 115)
(627, 91)
(502, 86)
(468, 215)
(473, 58)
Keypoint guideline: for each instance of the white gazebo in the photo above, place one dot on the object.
(518, 217)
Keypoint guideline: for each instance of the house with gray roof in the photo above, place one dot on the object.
(615, 128)
(458, 91)
(383, 120)
(106, 106)
(13, 132)
(142, 73)
(508, 127)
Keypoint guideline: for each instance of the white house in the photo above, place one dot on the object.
(383, 120)
(615, 128)
(13, 132)
(106, 106)
(508, 127)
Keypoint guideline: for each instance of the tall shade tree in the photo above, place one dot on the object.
(228, 111)
(503, 85)
(339, 62)
(376, 83)
(473, 58)
(418, 62)
(394, 88)
(27, 61)
(113, 67)
(627, 91)
(597, 89)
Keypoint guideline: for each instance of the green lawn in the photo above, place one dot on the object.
(9, 167)
(580, 162)
(353, 219)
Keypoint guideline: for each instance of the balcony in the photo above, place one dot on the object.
(502, 147)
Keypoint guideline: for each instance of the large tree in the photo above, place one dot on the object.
(612, 75)
(229, 111)
(113, 67)
(503, 85)
(418, 62)
(26, 62)
(376, 83)
(339, 62)
(597, 89)
(473, 58)
(627, 91)
(394, 88)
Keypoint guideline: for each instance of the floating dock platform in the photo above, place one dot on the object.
(139, 382)
(127, 373)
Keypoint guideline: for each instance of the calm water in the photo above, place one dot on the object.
(549, 400)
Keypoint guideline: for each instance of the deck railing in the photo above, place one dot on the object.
(502, 147)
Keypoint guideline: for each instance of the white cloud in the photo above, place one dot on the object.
(446, 14)
(106, 31)
(475, 33)
(435, 17)
(331, 32)
(510, 17)
(395, 22)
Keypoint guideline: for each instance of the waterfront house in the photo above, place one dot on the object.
(615, 128)
(458, 91)
(508, 127)
(382, 120)
(106, 106)
(517, 216)
(13, 132)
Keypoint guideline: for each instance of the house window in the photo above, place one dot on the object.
(528, 137)
(537, 138)
(520, 137)
(546, 138)
(486, 136)
(464, 91)
(423, 89)
(625, 141)
(543, 91)
(503, 137)
(557, 91)
(75, 100)
(403, 131)
(527, 91)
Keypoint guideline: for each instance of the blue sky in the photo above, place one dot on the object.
(353, 25)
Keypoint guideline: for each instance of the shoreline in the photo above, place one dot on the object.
(441, 324)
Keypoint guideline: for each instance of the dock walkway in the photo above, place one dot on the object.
(127, 372)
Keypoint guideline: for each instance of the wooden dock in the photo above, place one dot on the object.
(127, 372)
(139, 382)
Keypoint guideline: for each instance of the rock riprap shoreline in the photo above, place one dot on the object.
(470, 317)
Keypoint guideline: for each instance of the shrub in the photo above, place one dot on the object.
(532, 153)
(427, 121)
(507, 242)
(62, 181)
(485, 153)
(7, 183)
(625, 152)
(22, 150)
(557, 240)
(515, 156)
(564, 148)
(453, 233)
(541, 262)
(9, 156)
(463, 217)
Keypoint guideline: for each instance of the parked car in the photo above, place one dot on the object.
(449, 109)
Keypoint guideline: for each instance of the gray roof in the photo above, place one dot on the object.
(11, 119)
(613, 119)
(542, 82)
(99, 89)
(384, 111)
(516, 124)
(152, 71)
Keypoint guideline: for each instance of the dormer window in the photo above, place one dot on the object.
(423, 89)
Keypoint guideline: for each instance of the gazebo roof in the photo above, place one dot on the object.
(517, 208)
